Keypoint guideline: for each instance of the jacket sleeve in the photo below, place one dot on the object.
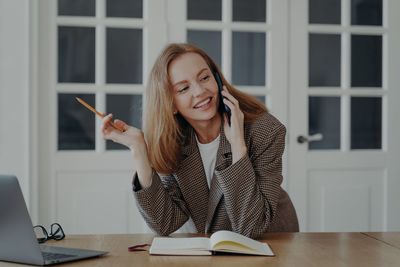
(251, 186)
(161, 204)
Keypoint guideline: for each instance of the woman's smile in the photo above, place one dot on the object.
(203, 104)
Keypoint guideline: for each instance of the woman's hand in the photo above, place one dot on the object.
(235, 132)
(133, 138)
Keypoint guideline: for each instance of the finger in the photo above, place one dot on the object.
(230, 97)
(121, 125)
(107, 119)
(113, 136)
(226, 122)
(229, 104)
(106, 126)
(106, 130)
(236, 112)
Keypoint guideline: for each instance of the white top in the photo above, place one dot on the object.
(208, 154)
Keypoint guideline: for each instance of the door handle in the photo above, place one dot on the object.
(310, 138)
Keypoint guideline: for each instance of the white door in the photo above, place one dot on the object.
(343, 143)
(100, 51)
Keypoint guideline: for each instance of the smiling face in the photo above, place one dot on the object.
(195, 91)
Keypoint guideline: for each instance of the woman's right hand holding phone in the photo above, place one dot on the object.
(133, 138)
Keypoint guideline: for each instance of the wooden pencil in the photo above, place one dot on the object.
(101, 115)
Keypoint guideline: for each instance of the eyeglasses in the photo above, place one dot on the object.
(56, 233)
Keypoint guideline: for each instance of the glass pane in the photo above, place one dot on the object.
(366, 123)
(244, 10)
(324, 12)
(262, 98)
(124, 55)
(76, 54)
(366, 12)
(76, 124)
(204, 10)
(366, 61)
(324, 60)
(248, 58)
(125, 8)
(127, 108)
(324, 118)
(209, 41)
(76, 7)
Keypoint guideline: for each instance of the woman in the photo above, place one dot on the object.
(192, 165)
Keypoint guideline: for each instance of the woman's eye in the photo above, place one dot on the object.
(183, 89)
(205, 78)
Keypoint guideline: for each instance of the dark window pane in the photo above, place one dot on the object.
(76, 124)
(209, 41)
(248, 58)
(366, 61)
(262, 98)
(324, 11)
(125, 8)
(124, 55)
(127, 108)
(204, 10)
(76, 54)
(76, 7)
(366, 12)
(324, 118)
(324, 60)
(366, 123)
(244, 10)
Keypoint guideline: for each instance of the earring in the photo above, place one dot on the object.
(175, 112)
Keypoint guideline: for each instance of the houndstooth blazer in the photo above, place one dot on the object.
(245, 197)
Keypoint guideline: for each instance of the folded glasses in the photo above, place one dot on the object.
(56, 233)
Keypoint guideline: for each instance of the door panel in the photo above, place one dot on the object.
(345, 200)
(339, 89)
(90, 208)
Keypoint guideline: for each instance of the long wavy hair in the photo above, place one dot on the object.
(165, 132)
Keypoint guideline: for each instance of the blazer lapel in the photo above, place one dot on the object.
(224, 159)
(192, 182)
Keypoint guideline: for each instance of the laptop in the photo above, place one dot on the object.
(18, 241)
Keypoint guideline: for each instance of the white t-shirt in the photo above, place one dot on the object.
(208, 154)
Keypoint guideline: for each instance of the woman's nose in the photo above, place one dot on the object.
(198, 89)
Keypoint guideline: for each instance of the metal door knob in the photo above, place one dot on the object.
(310, 138)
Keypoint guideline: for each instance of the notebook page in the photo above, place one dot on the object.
(177, 243)
(243, 240)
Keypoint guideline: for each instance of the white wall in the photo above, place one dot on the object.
(15, 91)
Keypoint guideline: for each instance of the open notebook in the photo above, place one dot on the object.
(221, 241)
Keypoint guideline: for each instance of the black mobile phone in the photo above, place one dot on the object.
(222, 107)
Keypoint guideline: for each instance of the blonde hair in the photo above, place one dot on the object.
(165, 132)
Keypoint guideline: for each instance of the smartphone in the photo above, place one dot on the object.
(222, 107)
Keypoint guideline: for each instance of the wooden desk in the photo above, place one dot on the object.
(291, 249)
(390, 238)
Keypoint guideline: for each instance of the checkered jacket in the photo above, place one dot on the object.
(245, 197)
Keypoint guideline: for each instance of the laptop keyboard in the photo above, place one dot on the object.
(55, 256)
